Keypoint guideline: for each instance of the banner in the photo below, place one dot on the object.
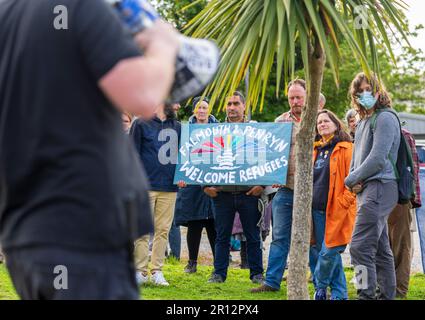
(234, 153)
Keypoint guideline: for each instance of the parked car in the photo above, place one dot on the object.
(420, 148)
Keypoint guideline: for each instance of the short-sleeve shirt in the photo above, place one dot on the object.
(69, 175)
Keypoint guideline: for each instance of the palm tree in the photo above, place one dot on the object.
(258, 35)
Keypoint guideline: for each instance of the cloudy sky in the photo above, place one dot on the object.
(416, 15)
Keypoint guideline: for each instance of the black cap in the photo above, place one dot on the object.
(196, 100)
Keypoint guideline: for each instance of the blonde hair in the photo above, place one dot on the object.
(384, 99)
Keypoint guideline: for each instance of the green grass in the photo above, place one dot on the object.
(195, 287)
(7, 291)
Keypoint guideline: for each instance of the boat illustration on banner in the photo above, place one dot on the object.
(227, 149)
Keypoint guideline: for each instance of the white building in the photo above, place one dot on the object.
(414, 123)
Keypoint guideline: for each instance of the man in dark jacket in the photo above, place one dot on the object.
(227, 201)
(156, 142)
(73, 196)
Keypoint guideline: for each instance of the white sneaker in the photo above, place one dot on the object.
(141, 278)
(158, 279)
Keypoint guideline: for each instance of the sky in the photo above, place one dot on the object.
(416, 15)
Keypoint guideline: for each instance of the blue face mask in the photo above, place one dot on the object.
(367, 100)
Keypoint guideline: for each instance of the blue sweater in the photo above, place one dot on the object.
(157, 144)
(192, 203)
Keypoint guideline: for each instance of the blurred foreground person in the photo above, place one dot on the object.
(73, 193)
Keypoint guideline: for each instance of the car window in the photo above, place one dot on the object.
(421, 154)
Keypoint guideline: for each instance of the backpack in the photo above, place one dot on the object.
(404, 166)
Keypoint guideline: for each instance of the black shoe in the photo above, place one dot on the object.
(258, 278)
(216, 278)
(191, 266)
(320, 294)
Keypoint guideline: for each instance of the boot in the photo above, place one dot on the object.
(191, 266)
(244, 258)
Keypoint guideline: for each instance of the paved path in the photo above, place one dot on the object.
(205, 256)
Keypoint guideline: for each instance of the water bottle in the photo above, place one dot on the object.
(197, 60)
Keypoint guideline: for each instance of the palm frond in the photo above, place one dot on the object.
(258, 35)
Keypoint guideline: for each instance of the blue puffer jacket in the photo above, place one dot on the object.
(149, 137)
(192, 203)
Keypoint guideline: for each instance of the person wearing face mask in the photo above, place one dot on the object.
(333, 206)
(373, 178)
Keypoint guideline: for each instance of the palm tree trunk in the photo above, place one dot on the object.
(297, 275)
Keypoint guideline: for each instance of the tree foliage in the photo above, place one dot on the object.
(260, 38)
(405, 83)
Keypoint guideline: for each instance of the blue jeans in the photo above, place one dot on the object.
(326, 263)
(282, 205)
(174, 239)
(225, 206)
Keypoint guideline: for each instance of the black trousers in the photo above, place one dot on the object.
(46, 273)
(194, 234)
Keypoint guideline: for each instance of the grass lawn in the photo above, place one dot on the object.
(195, 287)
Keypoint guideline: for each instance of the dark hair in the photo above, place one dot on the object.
(377, 86)
(300, 82)
(197, 100)
(168, 104)
(240, 95)
(341, 131)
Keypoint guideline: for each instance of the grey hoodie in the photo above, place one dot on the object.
(370, 156)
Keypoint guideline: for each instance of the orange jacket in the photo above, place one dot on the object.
(341, 207)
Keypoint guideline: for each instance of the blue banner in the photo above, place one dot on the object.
(234, 153)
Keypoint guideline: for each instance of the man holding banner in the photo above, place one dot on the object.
(234, 160)
(243, 199)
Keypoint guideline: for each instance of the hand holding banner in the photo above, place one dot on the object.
(234, 153)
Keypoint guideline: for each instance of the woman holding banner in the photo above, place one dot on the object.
(334, 206)
(193, 206)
